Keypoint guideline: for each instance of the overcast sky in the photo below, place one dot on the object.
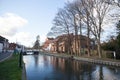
(22, 20)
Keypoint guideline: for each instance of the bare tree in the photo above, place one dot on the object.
(87, 8)
(97, 10)
(62, 21)
(116, 2)
(90, 12)
(72, 10)
(83, 16)
(78, 16)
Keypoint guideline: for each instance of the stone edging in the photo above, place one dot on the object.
(103, 62)
(24, 77)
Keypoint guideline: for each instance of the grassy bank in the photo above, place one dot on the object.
(9, 69)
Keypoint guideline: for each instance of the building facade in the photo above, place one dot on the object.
(4, 44)
(67, 43)
(47, 44)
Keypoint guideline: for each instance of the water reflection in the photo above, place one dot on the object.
(36, 60)
(41, 67)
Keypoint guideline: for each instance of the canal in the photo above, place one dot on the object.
(43, 67)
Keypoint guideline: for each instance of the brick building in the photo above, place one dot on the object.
(47, 44)
(65, 43)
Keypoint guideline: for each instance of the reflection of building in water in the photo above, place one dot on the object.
(75, 69)
(53, 61)
(61, 63)
(58, 62)
(82, 71)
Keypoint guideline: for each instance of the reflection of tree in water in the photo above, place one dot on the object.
(81, 71)
(46, 61)
(101, 77)
(69, 69)
(73, 70)
(114, 70)
(36, 60)
(84, 72)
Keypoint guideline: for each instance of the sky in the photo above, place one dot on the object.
(22, 20)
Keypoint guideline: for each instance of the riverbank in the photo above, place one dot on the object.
(9, 69)
(24, 77)
(94, 60)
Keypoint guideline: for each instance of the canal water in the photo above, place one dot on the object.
(43, 67)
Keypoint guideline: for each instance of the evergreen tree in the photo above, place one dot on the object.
(118, 41)
(37, 44)
(118, 32)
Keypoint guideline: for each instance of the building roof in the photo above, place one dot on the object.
(12, 46)
(3, 39)
(47, 42)
(50, 38)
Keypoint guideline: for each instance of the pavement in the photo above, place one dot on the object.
(4, 56)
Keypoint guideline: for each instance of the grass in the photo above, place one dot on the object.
(9, 69)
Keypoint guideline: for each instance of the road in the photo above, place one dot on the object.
(4, 56)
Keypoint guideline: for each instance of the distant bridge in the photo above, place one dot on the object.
(31, 51)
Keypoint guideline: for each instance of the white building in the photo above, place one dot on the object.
(4, 44)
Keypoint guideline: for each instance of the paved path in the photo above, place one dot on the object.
(4, 56)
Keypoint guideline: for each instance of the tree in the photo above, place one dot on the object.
(97, 9)
(118, 41)
(71, 18)
(77, 6)
(111, 45)
(87, 7)
(118, 27)
(74, 19)
(62, 25)
(118, 32)
(116, 2)
(37, 44)
(114, 43)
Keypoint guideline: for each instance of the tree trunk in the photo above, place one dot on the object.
(88, 44)
(80, 38)
(88, 36)
(69, 43)
(99, 48)
(76, 37)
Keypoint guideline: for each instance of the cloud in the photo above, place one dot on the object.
(69, 0)
(24, 38)
(10, 23)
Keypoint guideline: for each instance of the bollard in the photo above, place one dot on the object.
(20, 59)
